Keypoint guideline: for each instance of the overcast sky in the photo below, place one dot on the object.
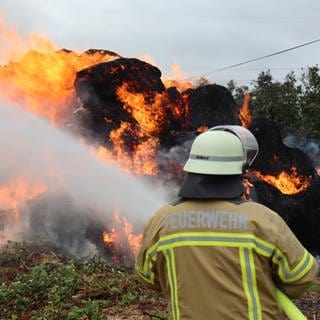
(201, 36)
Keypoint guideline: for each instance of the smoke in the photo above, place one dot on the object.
(73, 193)
(309, 147)
(313, 151)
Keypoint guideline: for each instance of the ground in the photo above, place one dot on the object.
(39, 282)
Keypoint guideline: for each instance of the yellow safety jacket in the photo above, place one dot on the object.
(217, 259)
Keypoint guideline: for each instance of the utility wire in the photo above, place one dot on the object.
(263, 57)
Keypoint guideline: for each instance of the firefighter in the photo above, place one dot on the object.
(214, 254)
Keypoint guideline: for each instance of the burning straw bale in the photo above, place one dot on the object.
(274, 156)
(285, 180)
(300, 211)
(211, 105)
(125, 99)
(99, 88)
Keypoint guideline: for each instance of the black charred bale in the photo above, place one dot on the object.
(96, 87)
(101, 52)
(301, 211)
(274, 156)
(97, 84)
(205, 106)
(170, 133)
(211, 105)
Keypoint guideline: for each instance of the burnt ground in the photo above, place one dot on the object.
(39, 282)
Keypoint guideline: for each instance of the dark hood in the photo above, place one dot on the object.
(200, 186)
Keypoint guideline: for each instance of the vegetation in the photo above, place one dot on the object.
(38, 283)
(293, 104)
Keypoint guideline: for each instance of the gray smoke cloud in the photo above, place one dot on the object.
(309, 147)
(82, 193)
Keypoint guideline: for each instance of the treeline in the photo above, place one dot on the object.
(294, 103)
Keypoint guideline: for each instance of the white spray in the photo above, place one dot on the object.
(81, 186)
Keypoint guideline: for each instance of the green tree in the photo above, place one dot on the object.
(279, 101)
(310, 102)
(294, 103)
(237, 92)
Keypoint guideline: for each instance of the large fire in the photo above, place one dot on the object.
(37, 77)
(42, 82)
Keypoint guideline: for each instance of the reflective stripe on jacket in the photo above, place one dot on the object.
(218, 259)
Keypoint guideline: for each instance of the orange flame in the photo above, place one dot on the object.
(41, 80)
(151, 118)
(245, 116)
(247, 187)
(120, 236)
(13, 46)
(43, 83)
(17, 192)
(202, 129)
(150, 115)
(286, 183)
(181, 81)
(12, 196)
(141, 162)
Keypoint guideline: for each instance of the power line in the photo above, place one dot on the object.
(260, 58)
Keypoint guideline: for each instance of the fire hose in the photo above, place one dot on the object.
(288, 307)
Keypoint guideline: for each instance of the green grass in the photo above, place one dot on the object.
(42, 286)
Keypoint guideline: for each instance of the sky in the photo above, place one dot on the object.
(200, 36)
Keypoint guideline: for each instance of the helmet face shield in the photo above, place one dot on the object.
(249, 142)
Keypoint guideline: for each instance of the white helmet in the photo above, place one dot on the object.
(222, 150)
